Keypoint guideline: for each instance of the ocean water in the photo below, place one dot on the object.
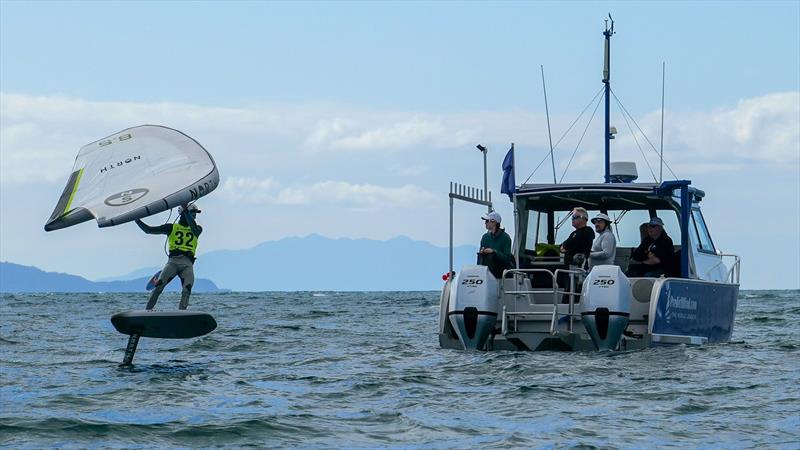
(364, 370)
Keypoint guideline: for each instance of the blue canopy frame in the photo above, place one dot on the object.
(667, 188)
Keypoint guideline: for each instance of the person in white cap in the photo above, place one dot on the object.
(182, 239)
(495, 251)
(604, 249)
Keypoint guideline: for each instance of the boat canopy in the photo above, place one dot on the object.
(676, 195)
(560, 197)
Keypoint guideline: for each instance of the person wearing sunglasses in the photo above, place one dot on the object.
(495, 251)
(655, 255)
(580, 240)
(575, 249)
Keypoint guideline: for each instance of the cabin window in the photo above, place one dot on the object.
(626, 227)
(693, 232)
(672, 224)
(537, 229)
(704, 243)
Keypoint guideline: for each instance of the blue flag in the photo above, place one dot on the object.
(509, 184)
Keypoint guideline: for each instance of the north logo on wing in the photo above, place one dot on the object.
(125, 197)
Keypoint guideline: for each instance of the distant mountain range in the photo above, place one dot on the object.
(310, 263)
(17, 278)
(315, 262)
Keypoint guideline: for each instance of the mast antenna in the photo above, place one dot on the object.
(607, 81)
(549, 135)
(661, 169)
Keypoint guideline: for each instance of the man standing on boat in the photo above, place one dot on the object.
(576, 250)
(495, 251)
(182, 239)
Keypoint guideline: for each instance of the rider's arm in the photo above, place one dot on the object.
(196, 229)
(161, 229)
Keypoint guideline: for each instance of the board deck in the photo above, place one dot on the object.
(180, 324)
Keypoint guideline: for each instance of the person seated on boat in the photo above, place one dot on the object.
(495, 251)
(654, 256)
(604, 249)
(580, 240)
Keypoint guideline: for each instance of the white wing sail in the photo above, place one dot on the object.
(133, 174)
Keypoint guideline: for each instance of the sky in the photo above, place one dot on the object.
(349, 119)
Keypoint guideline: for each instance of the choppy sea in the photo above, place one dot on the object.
(364, 370)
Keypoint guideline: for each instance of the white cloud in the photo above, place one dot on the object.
(312, 161)
(39, 137)
(386, 131)
(409, 170)
(267, 191)
(398, 135)
(762, 129)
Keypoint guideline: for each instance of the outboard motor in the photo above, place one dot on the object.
(606, 306)
(473, 305)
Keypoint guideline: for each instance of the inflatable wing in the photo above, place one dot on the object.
(133, 174)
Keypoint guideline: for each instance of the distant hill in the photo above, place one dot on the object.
(17, 278)
(138, 273)
(310, 263)
(315, 262)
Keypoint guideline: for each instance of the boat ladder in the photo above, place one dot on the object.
(519, 275)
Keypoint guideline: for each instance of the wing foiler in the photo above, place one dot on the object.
(133, 174)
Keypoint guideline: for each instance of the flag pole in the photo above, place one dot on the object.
(514, 200)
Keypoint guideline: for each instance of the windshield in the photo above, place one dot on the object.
(626, 226)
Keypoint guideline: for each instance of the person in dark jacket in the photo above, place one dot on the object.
(576, 250)
(182, 239)
(655, 255)
(580, 240)
(495, 251)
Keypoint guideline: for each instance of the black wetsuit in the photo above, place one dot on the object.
(180, 262)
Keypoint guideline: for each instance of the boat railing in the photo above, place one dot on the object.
(555, 291)
(733, 273)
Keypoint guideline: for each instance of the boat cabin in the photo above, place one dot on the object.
(543, 224)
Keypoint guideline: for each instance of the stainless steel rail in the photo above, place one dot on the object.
(554, 291)
(733, 273)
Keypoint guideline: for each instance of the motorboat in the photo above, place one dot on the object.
(543, 303)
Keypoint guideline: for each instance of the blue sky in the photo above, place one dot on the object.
(350, 119)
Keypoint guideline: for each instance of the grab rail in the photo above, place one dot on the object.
(733, 273)
(555, 291)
